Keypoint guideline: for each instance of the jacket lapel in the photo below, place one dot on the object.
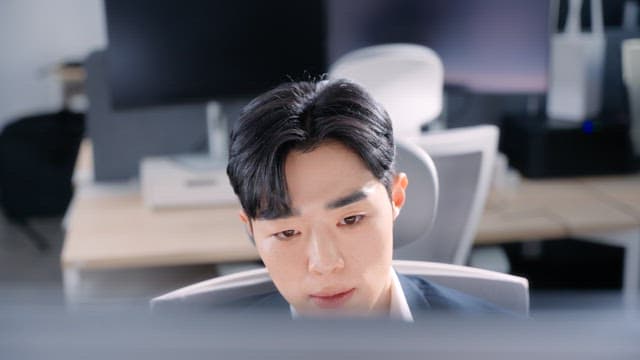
(413, 293)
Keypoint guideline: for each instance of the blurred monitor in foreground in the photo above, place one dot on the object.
(38, 332)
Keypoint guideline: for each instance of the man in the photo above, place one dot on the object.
(312, 166)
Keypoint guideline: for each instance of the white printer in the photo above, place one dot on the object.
(185, 181)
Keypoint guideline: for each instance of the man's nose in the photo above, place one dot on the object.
(324, 254)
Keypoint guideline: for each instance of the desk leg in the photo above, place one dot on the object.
(631, 279)
(71, 284)
(630, 241)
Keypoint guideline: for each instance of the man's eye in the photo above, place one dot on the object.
(287, 234)
(351, 220)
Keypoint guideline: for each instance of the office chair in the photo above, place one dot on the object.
(464, 160)
(506, 291)
(407, 79)
(419, 211)
(37, 157)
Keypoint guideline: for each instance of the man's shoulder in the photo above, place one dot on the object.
(423, 295)
(210, 301)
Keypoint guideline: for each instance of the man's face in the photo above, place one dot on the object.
(333, 254)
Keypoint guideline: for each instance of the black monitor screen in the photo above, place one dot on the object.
(163, 52)
(490, 46)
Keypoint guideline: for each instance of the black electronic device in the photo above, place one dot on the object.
(488, 46)
(169, 52)
(539, 148)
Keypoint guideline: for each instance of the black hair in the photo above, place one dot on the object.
(301, 116)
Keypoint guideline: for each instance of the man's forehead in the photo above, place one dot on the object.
(331, 169)
(332, 202)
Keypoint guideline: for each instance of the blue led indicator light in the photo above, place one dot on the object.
(587, 127)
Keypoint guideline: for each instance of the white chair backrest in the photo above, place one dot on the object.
(419, 211)
(506, 291)
(464, 161)
(407, 79)
(223, 289)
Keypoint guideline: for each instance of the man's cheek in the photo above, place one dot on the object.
(266, 245)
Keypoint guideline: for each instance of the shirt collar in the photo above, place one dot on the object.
(398, 307)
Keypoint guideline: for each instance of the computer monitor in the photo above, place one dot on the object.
(168, 52)
(488, 46)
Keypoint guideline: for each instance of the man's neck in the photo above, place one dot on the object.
(383, 304)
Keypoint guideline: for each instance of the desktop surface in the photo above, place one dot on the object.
(118, 231)
(115, 230)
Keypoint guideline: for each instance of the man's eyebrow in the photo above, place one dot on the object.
(334, 204)
(346, 200)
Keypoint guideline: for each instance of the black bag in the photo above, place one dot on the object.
(37, 159)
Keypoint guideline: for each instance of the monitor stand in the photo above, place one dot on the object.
(217, 133)
(192, 180)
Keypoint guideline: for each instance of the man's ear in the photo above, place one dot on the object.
(398, 193)
(243, 217)
(247, 225)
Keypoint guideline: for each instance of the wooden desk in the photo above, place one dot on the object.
(600, 209)
(111, 228)
(108, 227)
(546, 209)
(116, 249)
(119, 232)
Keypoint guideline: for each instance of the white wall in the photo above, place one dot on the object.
(35, 35)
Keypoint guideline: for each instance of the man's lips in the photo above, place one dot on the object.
(332, 299)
